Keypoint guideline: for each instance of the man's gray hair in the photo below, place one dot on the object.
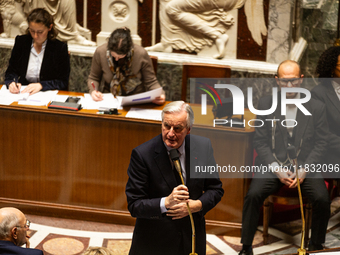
(8, 222)
(177, 107)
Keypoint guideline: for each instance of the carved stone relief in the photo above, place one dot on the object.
(194, 24)
(119, 11)
(63, 12)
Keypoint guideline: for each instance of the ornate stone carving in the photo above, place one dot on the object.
(63, 12)
(193, 24)
(11, 16)
(119, 11)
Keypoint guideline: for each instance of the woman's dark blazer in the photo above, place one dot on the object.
(55, 68)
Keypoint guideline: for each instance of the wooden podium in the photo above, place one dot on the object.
(74, 164)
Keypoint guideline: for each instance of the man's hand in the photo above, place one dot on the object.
(302, 175)
(180, 211)
(284, 175)
(28, 241)
(178, 195)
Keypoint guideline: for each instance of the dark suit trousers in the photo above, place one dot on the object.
(260, 188)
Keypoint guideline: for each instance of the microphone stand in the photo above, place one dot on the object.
(178, 168)
(293, 159)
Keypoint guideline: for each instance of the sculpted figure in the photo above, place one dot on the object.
(64, 15)
(192, 24)
(10, 16)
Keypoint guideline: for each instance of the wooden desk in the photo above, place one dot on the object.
(74, 164)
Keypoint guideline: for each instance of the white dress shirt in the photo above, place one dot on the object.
(34, 64)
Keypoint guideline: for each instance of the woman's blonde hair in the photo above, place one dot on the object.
(97, 251)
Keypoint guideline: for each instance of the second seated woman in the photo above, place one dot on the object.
(121, 67)
(38, 59)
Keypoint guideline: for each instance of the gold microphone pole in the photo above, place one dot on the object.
(178, 168)
(293, 158)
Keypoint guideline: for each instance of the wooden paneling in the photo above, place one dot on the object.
(74, 164)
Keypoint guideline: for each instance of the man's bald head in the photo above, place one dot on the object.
(290, 66)
(10, 217)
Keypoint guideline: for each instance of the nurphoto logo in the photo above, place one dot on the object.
(238, 103)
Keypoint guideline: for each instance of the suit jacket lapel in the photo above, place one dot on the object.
(164, 164)
(188, 157)
(282, 129)
(330, 92)
(302, 121)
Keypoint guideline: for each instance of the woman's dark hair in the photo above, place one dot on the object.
(40, 15)
(120, 41)
(327, 62)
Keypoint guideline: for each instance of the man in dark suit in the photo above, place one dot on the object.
(13, 233)
(158, 200)
(271, 140)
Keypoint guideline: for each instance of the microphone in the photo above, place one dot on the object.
(293, 159)
(174, 155)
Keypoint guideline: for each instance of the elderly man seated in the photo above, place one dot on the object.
(13, 233)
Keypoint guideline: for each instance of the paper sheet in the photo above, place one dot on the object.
(38, 99)
(42, 98)
(108, 102)
(144, 114)
(141, 98)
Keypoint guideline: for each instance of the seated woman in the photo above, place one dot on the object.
(38, 59)
(122, 68)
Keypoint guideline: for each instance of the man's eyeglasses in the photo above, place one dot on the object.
(27, 225)
(284, 82)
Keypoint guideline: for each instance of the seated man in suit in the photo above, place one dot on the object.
(13, 233)
(158, 200)
(271, 140)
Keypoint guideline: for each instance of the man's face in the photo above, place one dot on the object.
(21, 231)
(289, 76)
(174, 129)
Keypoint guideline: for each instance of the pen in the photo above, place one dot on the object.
(94, 87)
(16, 83)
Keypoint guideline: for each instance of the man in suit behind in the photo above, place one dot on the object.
(158, 200)
(13, 233)
(271, 140)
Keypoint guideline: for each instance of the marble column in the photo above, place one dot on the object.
(280, 22)
(116, 14)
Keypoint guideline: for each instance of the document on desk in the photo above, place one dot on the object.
(7, 97)
(141, 98)
(41, 98)
(108, 102)
(146, 114)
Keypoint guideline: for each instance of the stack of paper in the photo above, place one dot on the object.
(144, 114)
(38, 99)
